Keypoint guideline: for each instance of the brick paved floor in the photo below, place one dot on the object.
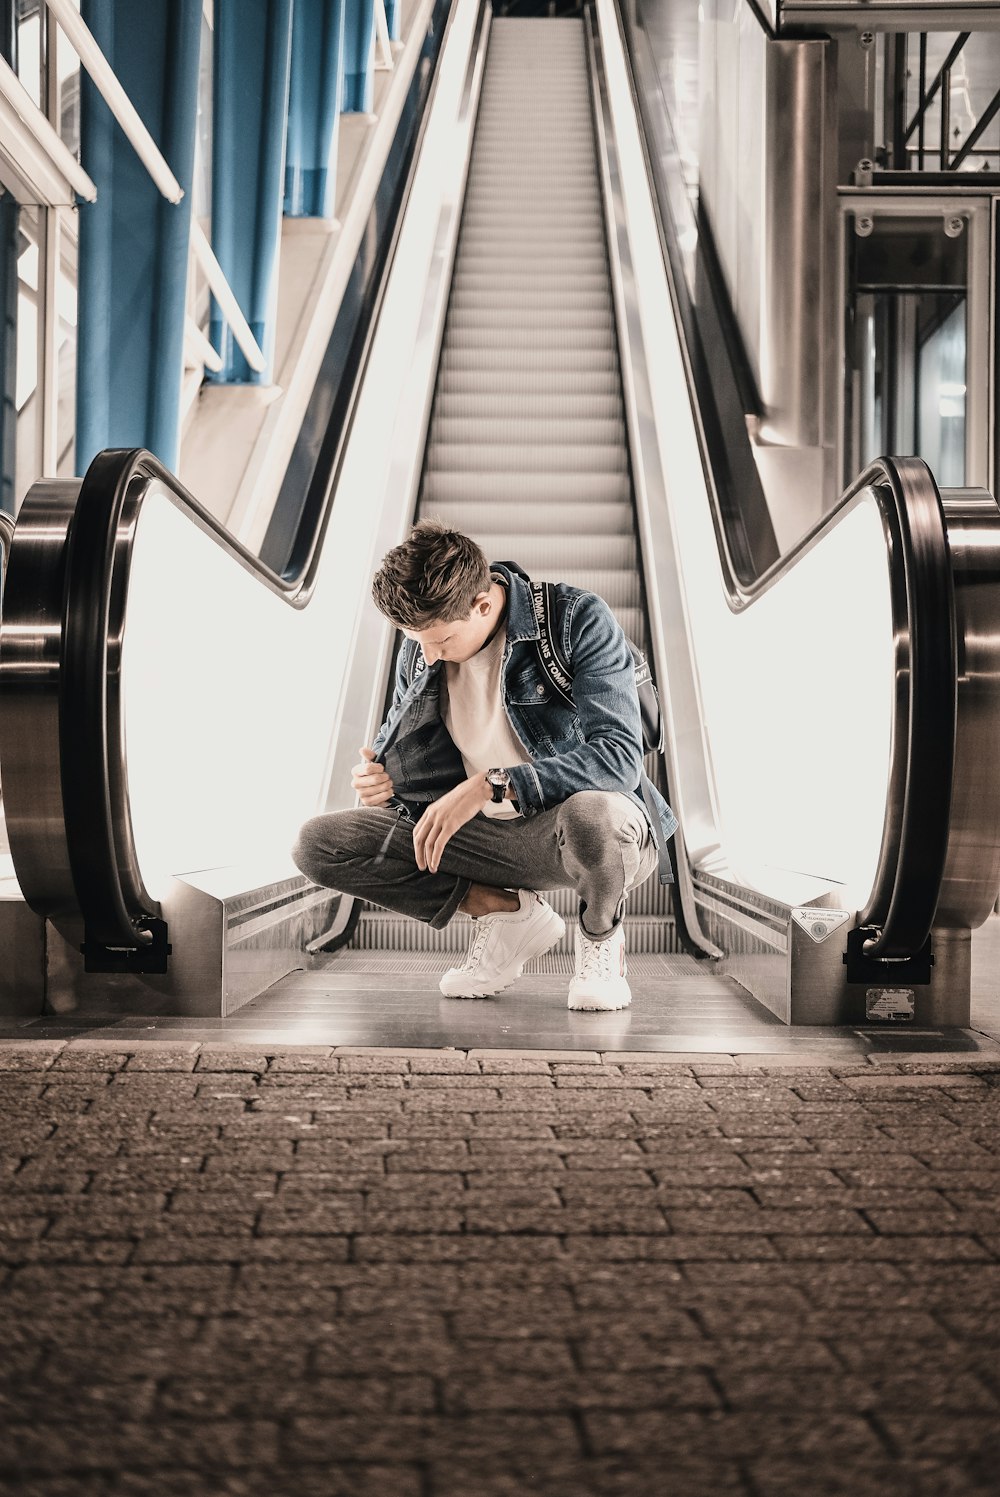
(436, 1275)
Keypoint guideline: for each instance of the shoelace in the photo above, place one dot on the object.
(479, 939)
(595, 958)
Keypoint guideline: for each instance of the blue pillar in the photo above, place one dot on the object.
(393, 16)
(253, 44)
(314, 105)
(133, 243)
(359, 92)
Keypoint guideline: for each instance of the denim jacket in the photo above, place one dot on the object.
(594, 745)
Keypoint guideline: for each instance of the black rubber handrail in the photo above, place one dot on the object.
(904, 899)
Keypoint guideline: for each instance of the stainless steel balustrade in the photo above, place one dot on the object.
(940, 861)
(71, 612)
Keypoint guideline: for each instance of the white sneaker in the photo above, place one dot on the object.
(500, 946)
(600, 981)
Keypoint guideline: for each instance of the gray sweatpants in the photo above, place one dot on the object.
(597, 842)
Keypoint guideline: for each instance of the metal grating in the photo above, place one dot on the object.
(378, 931)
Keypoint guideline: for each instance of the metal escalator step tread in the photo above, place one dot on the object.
(574, 432)
(573, 516)
(509, 320)
(507, 235)
(533, 282)
(644, 934)
(464, 379)
(494, 190)
(520, 304)
(490, 257)
(521, 405)
(562, 554)
(619, 589)
(575, 217)
(556, 360)
(470, 327)
(537, 488)
(456, 457)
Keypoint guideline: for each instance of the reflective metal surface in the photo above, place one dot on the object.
(61, 648)
(887, 15)
(30, 654)
(688, 762)
(6, 536)
(797, 301)
(972, 872)
(917, 831)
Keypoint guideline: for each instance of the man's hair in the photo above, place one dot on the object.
(433, 577)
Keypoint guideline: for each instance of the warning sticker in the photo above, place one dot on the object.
(898, 1004)
(819, 923)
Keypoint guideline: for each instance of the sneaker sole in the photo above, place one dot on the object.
(595, 1006)
(598, 1008)
(543, 939)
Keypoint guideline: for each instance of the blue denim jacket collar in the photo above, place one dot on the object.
(522, 624)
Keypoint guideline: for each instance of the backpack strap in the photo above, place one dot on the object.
(554, 662)
(415, 664)
(557, 668)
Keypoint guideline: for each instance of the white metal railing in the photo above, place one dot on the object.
(121, 106)
(117, 100)
(223, 293)
(383, 46)
(43, 163)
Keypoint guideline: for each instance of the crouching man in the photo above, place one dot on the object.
(485, 785)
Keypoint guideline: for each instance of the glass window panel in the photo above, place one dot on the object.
(906, 347)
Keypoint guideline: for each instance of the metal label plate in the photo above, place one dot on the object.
(895, 1004)
(820, 923)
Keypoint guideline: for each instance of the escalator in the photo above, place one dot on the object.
(527, 449)
(173, 707)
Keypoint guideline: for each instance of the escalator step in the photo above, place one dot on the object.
(525, 405)
(539, 457)
(535, 488)
(568, 517)
(527, 449)
(577, 434)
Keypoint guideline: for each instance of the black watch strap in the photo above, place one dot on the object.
(498, 787)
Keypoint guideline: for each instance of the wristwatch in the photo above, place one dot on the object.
(498, 780)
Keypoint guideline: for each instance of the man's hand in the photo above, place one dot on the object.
(371, 780)
(443, 817)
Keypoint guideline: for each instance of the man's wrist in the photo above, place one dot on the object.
(497, 782)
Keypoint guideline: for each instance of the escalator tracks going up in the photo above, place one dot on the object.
(527, 449)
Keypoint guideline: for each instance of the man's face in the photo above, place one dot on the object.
(462, 638)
